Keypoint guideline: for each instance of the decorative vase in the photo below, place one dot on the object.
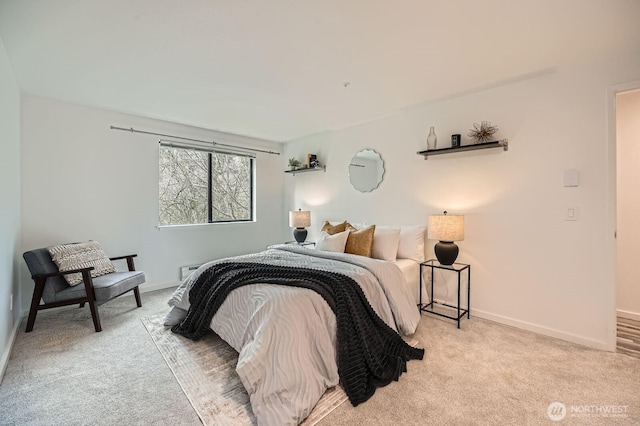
(432, 139)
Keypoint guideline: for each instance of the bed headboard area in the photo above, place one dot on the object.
(386, 242)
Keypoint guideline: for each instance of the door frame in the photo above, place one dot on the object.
(612, 196)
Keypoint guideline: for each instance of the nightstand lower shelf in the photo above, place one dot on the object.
(430, 307)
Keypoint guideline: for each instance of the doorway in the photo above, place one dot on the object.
(627, 224)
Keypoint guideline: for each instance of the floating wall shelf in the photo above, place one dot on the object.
(504, 144)
(307, 169)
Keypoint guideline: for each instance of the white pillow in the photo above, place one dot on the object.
(335, 242)
(411, 245)
(385, 243)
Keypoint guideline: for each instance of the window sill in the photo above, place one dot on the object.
(197, 225)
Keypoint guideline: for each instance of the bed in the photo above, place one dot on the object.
(286, 336)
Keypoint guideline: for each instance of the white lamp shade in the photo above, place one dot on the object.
(446, 227)
(300, 219)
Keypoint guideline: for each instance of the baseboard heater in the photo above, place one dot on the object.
(185, 271)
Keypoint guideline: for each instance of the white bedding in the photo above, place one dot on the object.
(286, 336)
(411, 271)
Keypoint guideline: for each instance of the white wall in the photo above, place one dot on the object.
(81, 180)
(530, 267)
(10, 210)
(628, 241)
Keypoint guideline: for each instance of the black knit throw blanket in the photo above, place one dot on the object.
(370, 353)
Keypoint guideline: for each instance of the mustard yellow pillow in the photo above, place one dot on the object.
(360, 242)
(334, 229)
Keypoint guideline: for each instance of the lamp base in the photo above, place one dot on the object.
(446, 252)
(300, 234)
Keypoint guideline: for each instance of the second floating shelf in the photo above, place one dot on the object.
(307, 169)
(503, 143)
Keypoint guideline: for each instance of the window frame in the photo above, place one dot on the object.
(210, 152)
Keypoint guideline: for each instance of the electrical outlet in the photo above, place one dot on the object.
(571, 214)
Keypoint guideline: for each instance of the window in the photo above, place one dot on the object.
(204, 187)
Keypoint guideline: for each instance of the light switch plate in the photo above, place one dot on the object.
(571, 178)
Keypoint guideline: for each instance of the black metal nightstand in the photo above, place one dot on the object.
(430, 307)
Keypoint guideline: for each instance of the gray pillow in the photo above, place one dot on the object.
(174, 316)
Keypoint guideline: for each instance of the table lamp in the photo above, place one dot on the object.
(299, 220)
(446, 229)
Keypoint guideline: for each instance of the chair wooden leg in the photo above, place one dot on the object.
(91, 295)
(95, 315)
(136, 292)
(35, 302)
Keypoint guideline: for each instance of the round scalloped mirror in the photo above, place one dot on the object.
(366, 170)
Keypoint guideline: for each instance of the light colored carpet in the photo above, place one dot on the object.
(206, 372)
(63, 373)
(490, 374)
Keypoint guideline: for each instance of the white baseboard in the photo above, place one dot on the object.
(573, 338)
(145, 288)
(4, 361)
(628, 315)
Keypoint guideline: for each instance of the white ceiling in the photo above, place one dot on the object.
(275, 69)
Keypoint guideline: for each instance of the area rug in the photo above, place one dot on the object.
(205, 369)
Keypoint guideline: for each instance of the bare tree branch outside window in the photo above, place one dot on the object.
(189, 196)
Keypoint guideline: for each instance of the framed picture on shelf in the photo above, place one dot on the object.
(312, 161)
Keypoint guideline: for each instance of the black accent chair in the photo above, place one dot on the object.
(54, 291)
